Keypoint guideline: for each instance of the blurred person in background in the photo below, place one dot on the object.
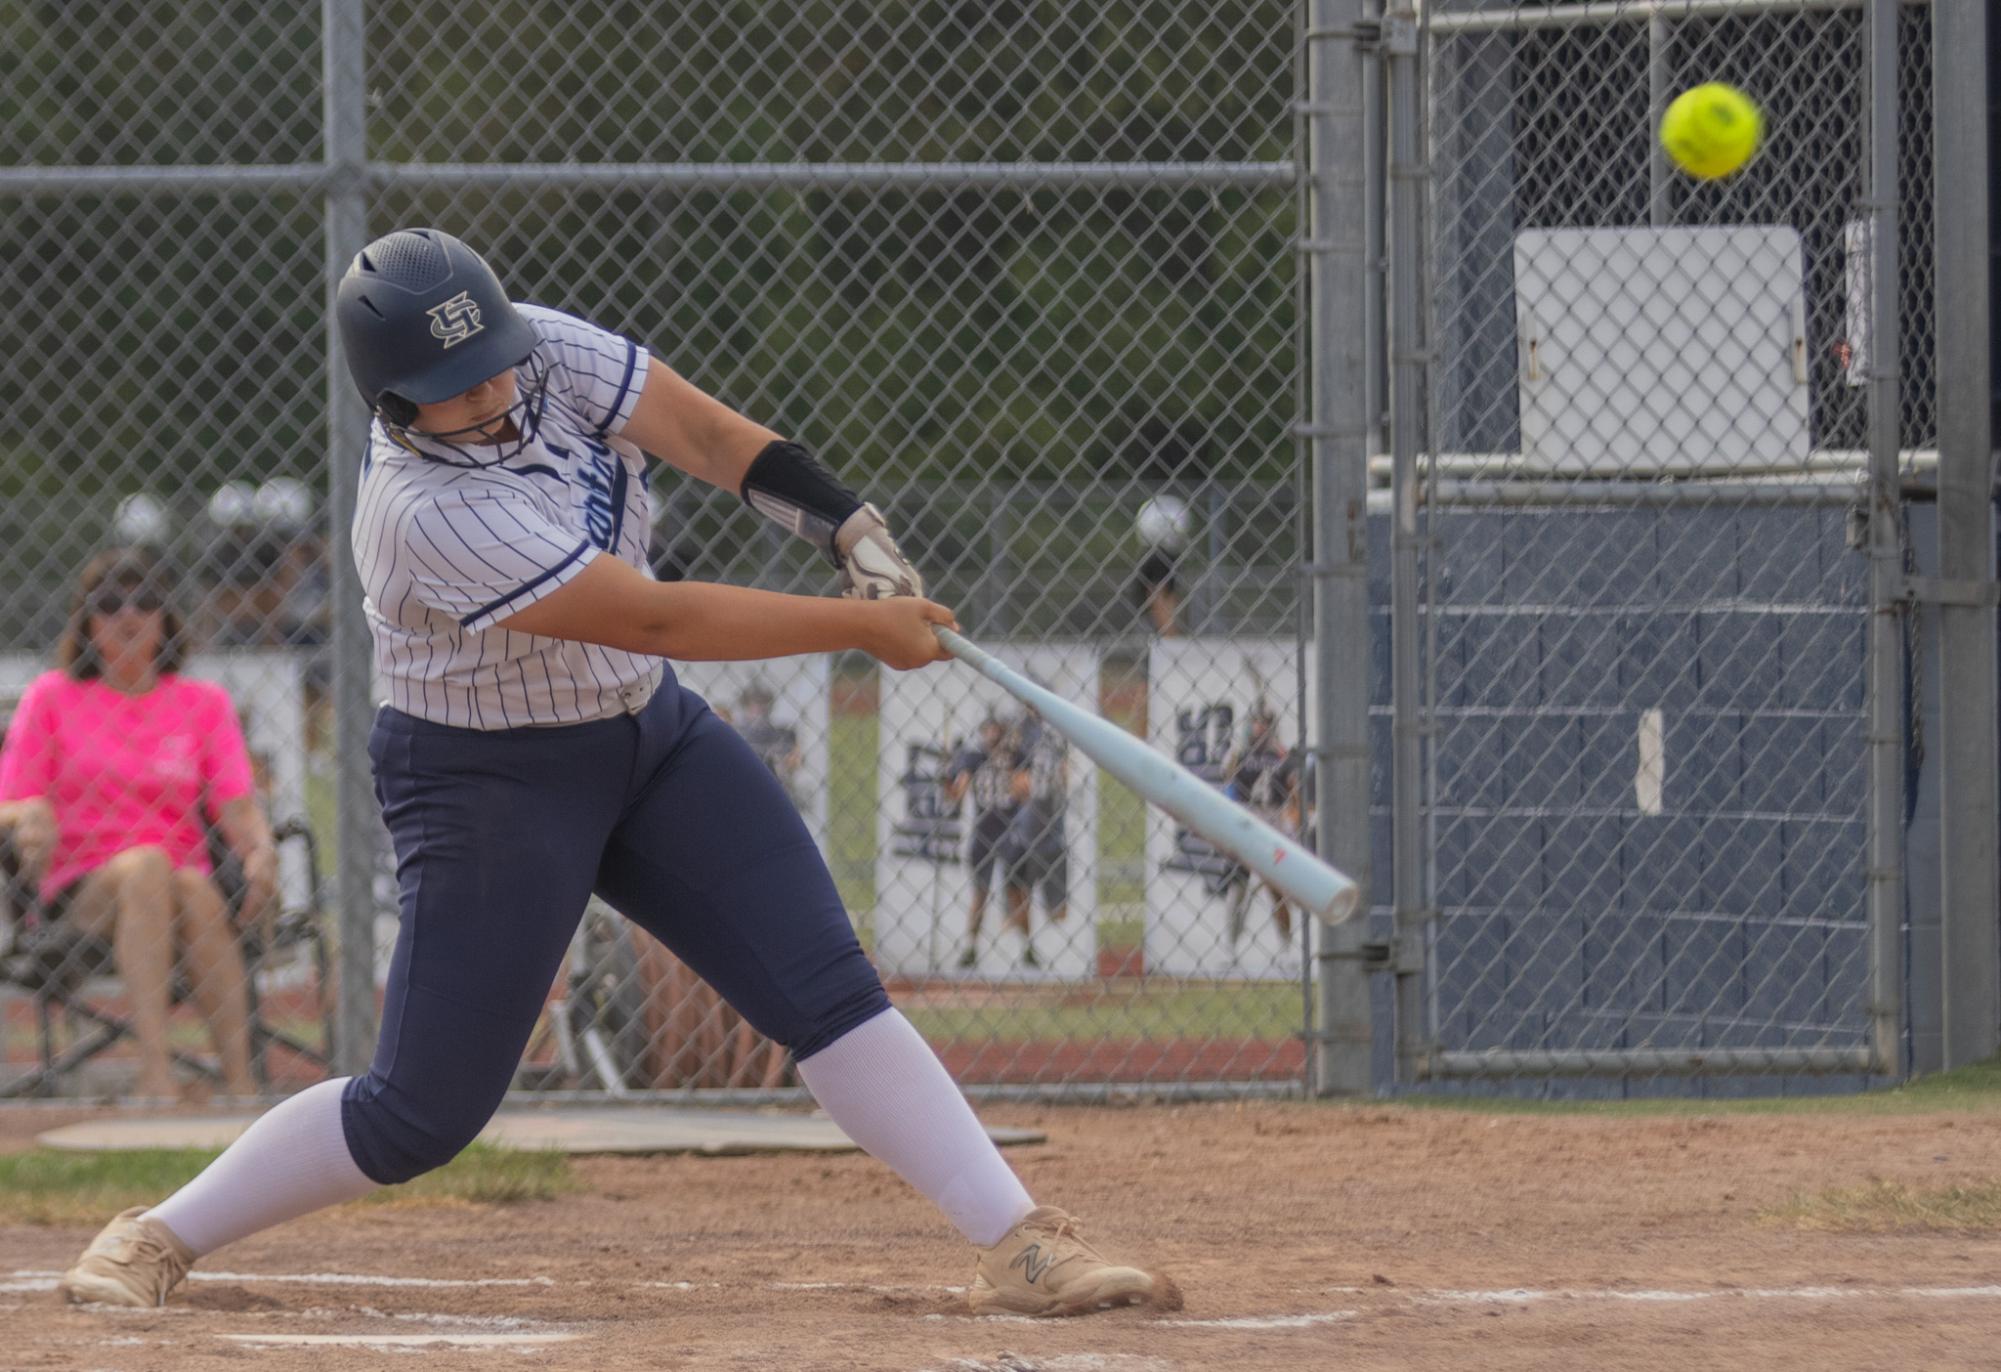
(239, 565)
(299, 601)
(283, 507)
(114, 765)
(776, 744)
(1162, 452)
(1262, 774)
(1036, 850)
(1162, 526)
(984, 767)
(245, 599)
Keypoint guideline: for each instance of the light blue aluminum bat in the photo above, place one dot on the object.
(1161, 781)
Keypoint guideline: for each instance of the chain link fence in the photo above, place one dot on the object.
(1648, 812)
(1024, 273)
(1030, 276)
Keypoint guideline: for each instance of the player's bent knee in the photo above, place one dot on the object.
(391, 1144)
(406, 1155)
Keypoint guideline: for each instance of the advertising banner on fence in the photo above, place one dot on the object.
(987, 825)
(1228, 710)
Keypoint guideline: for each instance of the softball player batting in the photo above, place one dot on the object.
(536, 748)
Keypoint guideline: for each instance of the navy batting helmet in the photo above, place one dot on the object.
(422, 318)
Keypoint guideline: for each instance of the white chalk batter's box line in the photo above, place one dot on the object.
(37, 1280)
(45, 1281)
(523, 1333)
(1528, 1296)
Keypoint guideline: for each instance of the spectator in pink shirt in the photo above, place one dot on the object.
(113, 767)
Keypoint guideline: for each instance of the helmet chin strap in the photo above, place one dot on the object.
(525, 413)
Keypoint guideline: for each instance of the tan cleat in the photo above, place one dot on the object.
(134, 1261)
(1044, 1267)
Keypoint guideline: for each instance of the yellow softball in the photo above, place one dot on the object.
(1712, 130)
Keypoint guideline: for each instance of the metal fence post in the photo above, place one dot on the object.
(1400, 39)
(1970, 885)
(347, 433)
(1338, 359)
(1375, 248)
(1660, 75)
(1886, 625)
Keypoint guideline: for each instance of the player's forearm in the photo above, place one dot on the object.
(617, 605)
(696, 621)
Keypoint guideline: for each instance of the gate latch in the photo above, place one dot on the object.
(1403, 955)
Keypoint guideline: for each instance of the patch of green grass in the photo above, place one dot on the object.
(1976, 1088)
(322, 810)
(1264, 1010)
(1888, 1206)
(1121, 843)
(1976, 1084)
(484, 1175)
(1122, 931)
(851, 749)
(51, 1186)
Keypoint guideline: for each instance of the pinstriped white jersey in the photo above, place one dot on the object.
(444, 552)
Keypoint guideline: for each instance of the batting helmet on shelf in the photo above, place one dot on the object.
(422, 318)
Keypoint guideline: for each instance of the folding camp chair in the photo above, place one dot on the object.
(57, 967)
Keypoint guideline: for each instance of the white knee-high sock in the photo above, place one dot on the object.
(883, 1085)
(291, 1162)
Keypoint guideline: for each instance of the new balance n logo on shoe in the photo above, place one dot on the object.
(1031, 1262)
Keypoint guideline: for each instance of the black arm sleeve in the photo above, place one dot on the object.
(793, 489)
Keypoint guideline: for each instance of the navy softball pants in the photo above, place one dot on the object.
(501, 837)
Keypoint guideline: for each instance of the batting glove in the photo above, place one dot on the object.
(872, 566)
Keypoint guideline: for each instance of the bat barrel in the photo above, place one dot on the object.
(1162, 782)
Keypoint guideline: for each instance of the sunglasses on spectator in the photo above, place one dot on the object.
(110, 601)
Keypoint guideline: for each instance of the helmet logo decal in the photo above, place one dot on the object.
(456, 320)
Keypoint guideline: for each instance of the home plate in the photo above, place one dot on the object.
(615, 1129)
(404, 1340)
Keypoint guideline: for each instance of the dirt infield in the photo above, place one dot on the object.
(1305, 1236)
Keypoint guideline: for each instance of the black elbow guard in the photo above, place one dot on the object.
(795, 490)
